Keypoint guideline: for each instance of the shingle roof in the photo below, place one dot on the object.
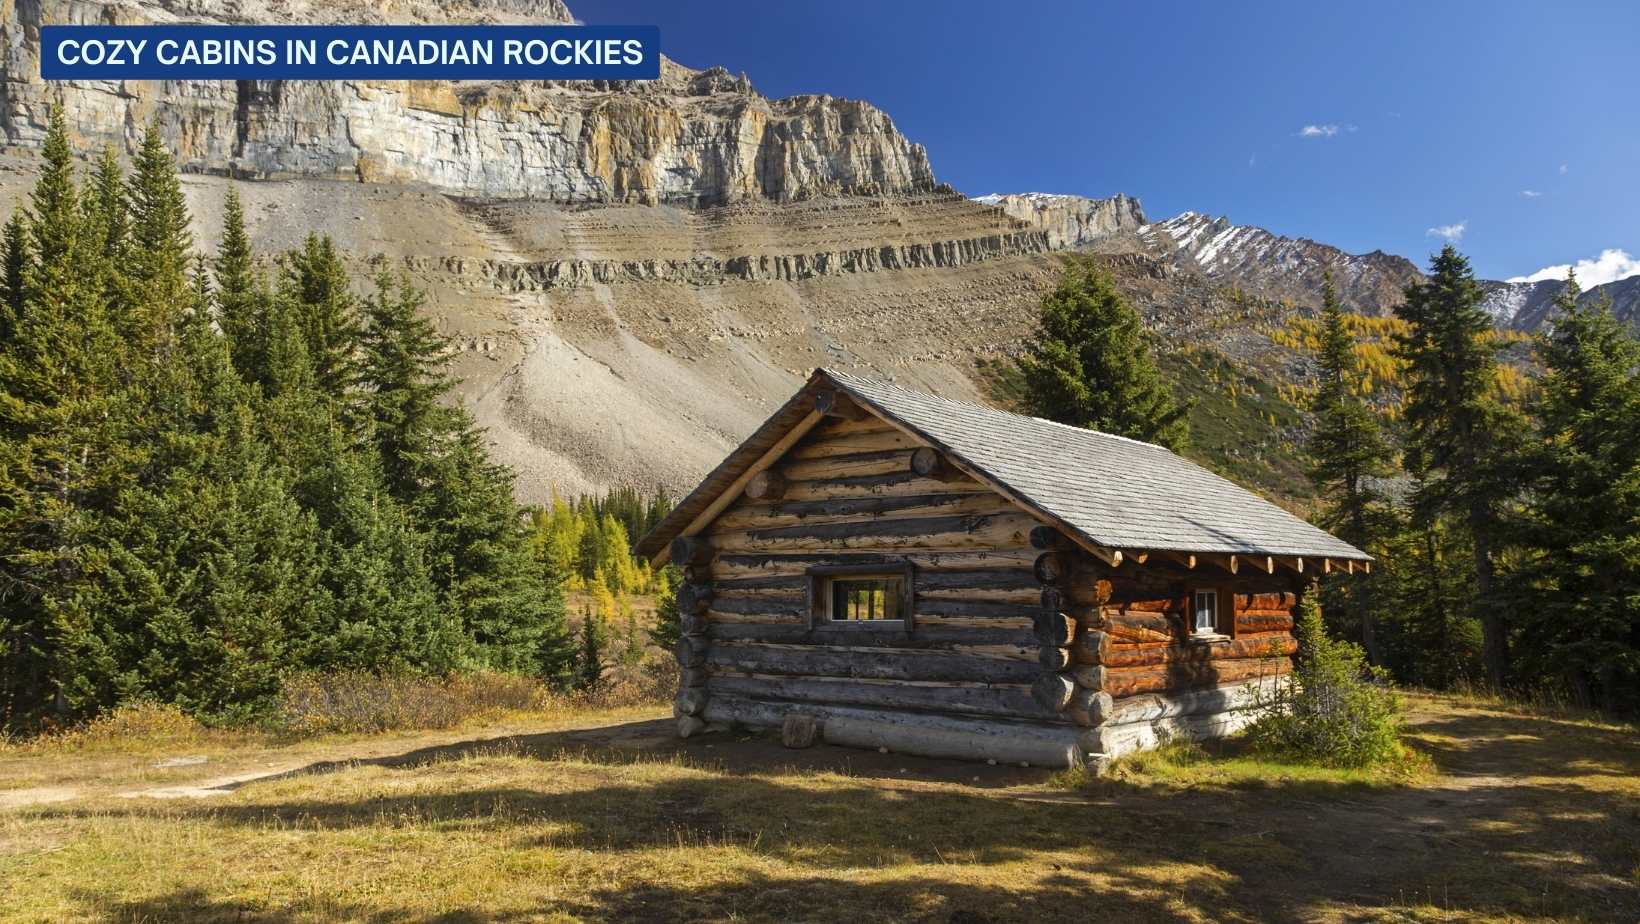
(1118, 493)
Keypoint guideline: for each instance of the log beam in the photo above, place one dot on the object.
(832, 403)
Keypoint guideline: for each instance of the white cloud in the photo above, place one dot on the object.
(1563, 168)
(1612, 264)
(1530, 193)
(1452, 233)
(1318, 131)
(1252, 160)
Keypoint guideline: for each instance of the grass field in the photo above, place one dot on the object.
(606, 817)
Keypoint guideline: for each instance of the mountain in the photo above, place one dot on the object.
(634, 275)
(1526, 306)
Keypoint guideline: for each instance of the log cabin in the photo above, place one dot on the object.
(885, 568)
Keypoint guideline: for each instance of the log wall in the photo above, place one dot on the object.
(854, 492)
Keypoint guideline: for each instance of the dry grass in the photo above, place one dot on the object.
(1527, 818)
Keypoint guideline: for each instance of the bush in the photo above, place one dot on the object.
(139, 726)
(1334, 709)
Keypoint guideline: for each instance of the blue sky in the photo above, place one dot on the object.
(1512, 127)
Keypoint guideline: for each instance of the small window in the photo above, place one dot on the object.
(1207, 612)
(867, 599)
(860, 596)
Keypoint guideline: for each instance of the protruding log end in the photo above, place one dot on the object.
(1053, 692)
(697, 574)
(833, 404)
(691, 550)
(1090, 677)
(690, 702)
(694, 598)
(1053, 629)
(692, 623)
(1055, 659)
(1046, 537)
(1050, 567)
(690, 725)
(1091, 707)
(927, 462)
(1053, 599)
(690, 651)
(766, 485)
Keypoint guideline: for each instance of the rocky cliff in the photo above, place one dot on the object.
(1073, 221)
(693, 137)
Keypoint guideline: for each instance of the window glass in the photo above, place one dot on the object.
(871, 599)
(1207, 611)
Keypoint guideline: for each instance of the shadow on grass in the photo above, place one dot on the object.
(1540, 825)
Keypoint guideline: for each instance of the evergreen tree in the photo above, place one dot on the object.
(239, 297)
(106, 208)
(668, 625)
(1582, 580)
(1347, 450)
(14, 262)
(160, 245)
(404, 376)
(315, 278)
(1458, 428)
(590, 664)
(1090, 364)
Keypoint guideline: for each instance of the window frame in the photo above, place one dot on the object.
(820, 596)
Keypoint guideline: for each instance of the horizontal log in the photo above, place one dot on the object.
(1120, 683)
(780, 583)
(718, 617)
(834, 427)
(1270, 613)
(988, 579)
(979, 609)
(1089, 676)
(1263, 624)
(1199, 652)
(747, 516)
(949, 698)
(763, 604)
(1017, 597)
(824, 444)
(833, 403)
(853, 465)
(1001, 739)
(976, 622)
(1111, 741)
(1266, 601)
(943, 532)
(1149, 707)
(1133, 619)
(927, 561)
(873, 664)
(1052, 691)
(871, 486)
(922, 637)
(1123, 633)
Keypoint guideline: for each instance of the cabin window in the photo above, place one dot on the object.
(1207, 612)
(861, 596)
(869, 599)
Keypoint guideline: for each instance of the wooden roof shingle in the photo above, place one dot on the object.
(1115, 492)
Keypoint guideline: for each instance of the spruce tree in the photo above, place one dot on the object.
(1459, 431)
(315, 278)
(1582, 576)
(403, 373)
(14, 262)
(107, 209)
(161, 245)
(1347, 451)
(1090, 364)
(239, 301)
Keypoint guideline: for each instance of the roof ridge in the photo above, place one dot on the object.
(845, 376)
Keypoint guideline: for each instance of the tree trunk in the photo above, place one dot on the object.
(1495, 643)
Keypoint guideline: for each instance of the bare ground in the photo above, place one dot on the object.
(1529, 818)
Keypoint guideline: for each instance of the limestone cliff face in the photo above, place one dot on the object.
(1071, 221)
(691, 138)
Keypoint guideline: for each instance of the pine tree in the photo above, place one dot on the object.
(160, 245)
(404, 376)
(239, 297)
(1347, 450)
(1090, 364)
(1582, 577)
(1458, 428)
(668, 625)
(315, 278)
(107, 209)
(14, 262)
(590, 664)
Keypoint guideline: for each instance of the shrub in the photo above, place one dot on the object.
(1334, 709)
(138, 726)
